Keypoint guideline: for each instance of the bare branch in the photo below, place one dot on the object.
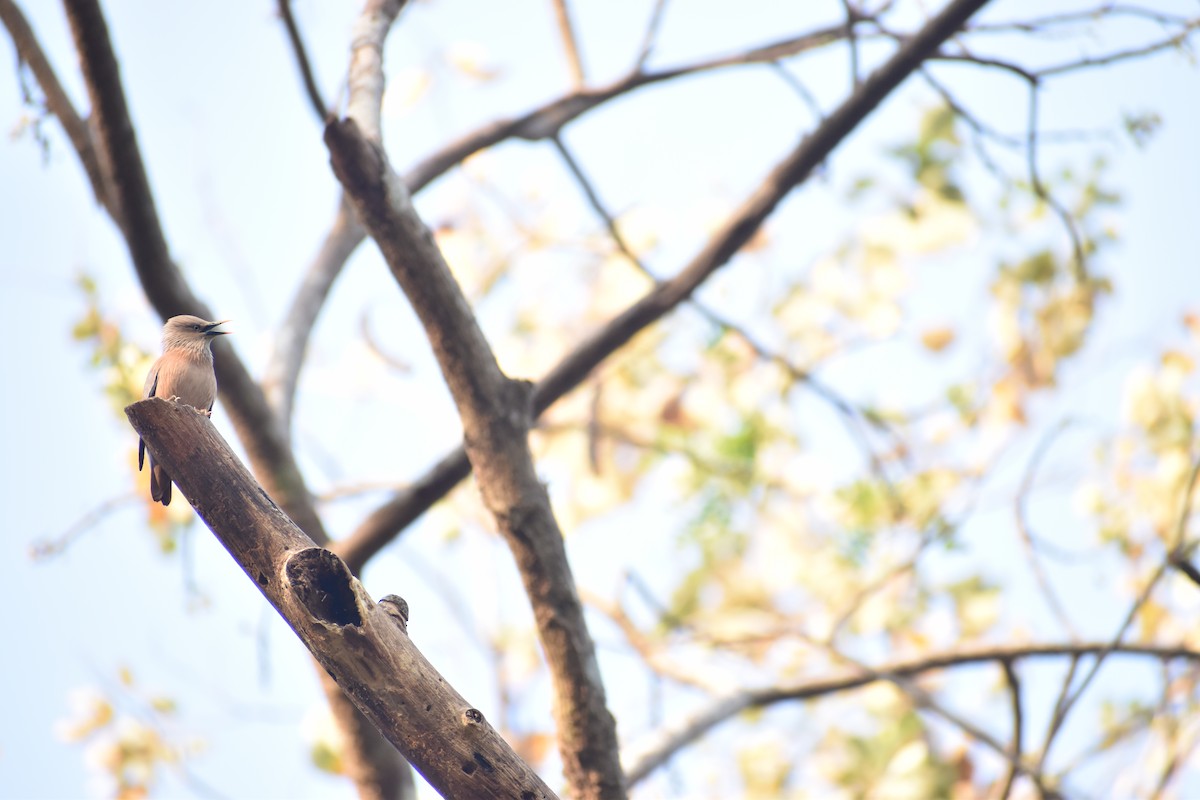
(1018, 725)
(495, 413)
(852, 416)
(384, 523)
(366, 79)
(1177, 540)
(319, 106)
(29, 51)
(47, 548)
(1039, 188)
(643, 760)
(566, 32)
(358, 642)
(651, 34)
(291, 339)
(853, 15)
(547, 120)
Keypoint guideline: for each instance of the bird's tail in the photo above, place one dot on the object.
(160, 484)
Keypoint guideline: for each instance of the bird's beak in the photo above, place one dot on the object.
(210, 329)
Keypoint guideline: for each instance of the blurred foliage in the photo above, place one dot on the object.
(129, 737)
(819, 450)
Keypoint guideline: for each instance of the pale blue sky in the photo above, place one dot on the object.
(244, 192)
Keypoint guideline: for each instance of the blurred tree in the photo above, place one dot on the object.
(748, 392)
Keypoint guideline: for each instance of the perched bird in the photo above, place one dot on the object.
(182, 374)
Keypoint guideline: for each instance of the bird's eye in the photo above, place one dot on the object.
(195, 327)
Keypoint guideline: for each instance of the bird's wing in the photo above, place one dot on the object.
(151, 387)
(151, 381)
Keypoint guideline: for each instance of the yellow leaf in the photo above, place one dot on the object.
(1174, 359)
(470, 58)
(937, 339)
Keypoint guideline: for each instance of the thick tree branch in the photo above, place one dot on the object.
(643, 760)
(363, 645)
(383, 524)
(379, 774)
(366, 80)
(166, 289)
(495, 414)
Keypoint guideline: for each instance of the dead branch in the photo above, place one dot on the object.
(643, 760)
(363, 645)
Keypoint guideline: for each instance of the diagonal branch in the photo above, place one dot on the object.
(363, 645)
(1178, 536)
(643, 760)
(319, 106)
(566, 32)
(388, 520)
(547, 120)
(30, 52)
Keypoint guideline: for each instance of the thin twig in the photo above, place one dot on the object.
(852, 415)
(319, 106)
(1177, 539)
(570, 42)
(853, 15)
(651, 34)
(29, 52)
(47, 548)
(1014, 691)
(1039, 188)
(1021, 513)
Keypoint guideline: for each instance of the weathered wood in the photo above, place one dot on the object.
(360, 643)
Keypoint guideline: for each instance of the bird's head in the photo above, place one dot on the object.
(191, 333)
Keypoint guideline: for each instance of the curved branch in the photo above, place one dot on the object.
(388, 520)
(291, 339)
(547, 120)
(668, 742)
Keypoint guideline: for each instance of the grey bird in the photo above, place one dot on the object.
(182, 374)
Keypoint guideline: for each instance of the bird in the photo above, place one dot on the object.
(182, 374)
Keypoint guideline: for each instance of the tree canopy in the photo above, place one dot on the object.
(756, 401)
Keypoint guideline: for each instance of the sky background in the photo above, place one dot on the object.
(244, 192)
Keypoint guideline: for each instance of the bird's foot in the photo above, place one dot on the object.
(204, 412)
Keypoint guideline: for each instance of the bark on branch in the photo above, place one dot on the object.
(393, 516)
(496, 415)
(363, 645)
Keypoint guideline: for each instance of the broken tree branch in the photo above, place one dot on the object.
(363, 645)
